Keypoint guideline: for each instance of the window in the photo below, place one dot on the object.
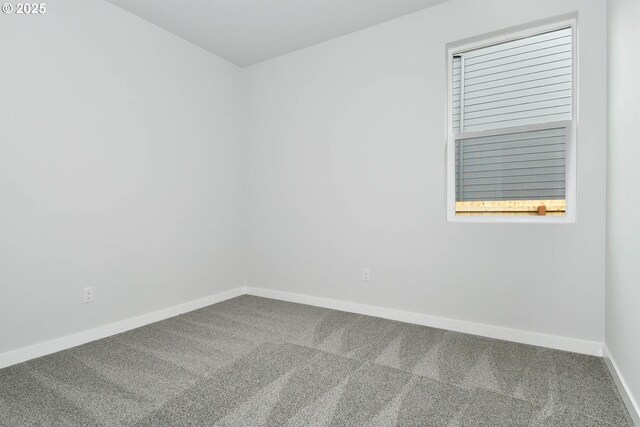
(511, 147)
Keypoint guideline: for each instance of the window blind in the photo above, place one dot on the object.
(516, 83)
(520, 83)
(514, 166)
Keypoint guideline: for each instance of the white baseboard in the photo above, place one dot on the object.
(525, 337)
(37, 350)
(42, 349)
(623, 388)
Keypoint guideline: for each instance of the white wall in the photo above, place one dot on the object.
(346, 169)
(623, 204)
(120, 170)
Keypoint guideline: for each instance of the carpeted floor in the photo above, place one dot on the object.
(253, 361)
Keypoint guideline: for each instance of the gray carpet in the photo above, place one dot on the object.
(254, 361)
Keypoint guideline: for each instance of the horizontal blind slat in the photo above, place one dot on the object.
(558, 177)
(534, 83)
(500, 187)
(550, 194)
(526, 78)
(549, 106)
(512, 159)
(518, 68)
(561, 51)
(560, 67)
(517, 100)
(523, 90)
(472, 147)
(514, 44)
(516, 136)
(542, 118)
(513, 151)
(517, 172)
(515, 166)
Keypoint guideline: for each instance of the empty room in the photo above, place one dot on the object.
(320, 213)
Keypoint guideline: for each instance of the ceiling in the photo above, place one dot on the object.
(246, 32)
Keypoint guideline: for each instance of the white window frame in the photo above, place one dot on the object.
(456, 48)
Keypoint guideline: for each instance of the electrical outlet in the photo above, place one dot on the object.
(366, 275)
(88, 294)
